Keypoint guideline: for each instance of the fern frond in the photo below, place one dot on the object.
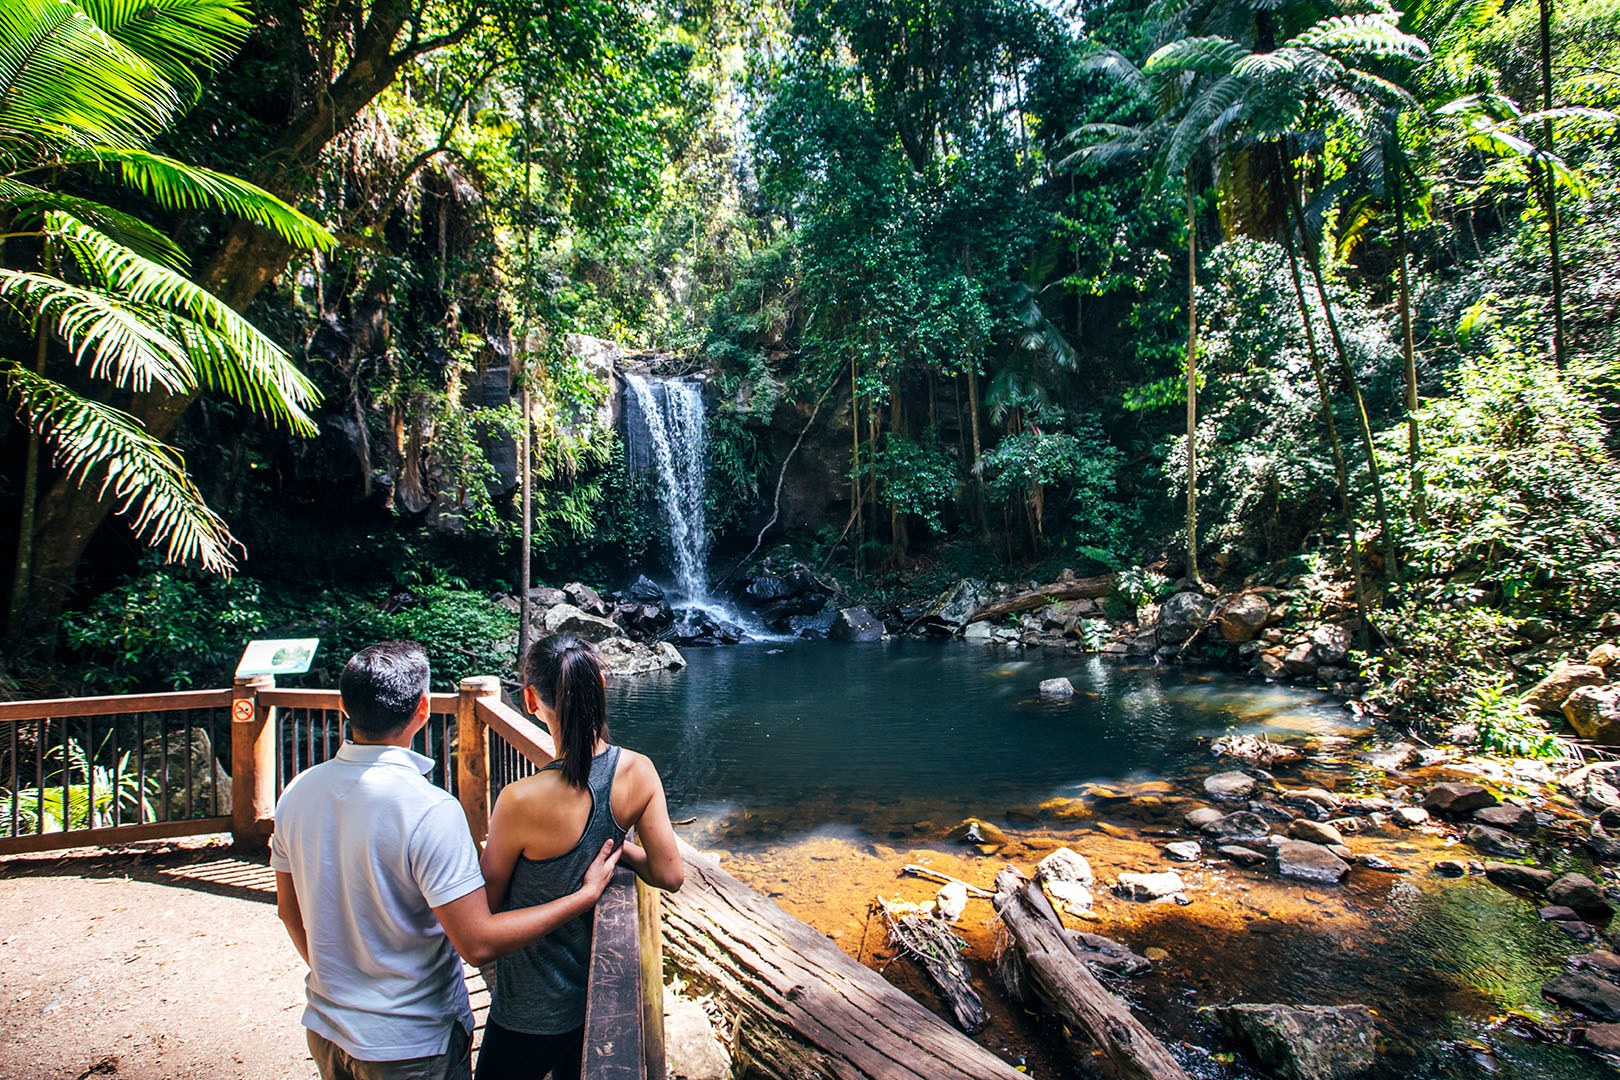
(105, 337)
(178, 37)
(1197, 55)
(28, 203)
(146, 479)
(240, 361)
(175, 185)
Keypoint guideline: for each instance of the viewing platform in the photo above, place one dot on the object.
(172, 962)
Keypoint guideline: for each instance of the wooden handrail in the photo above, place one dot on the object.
(295, 697)
(51, 708)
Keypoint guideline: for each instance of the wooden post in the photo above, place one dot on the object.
(253, 763)
(650, 928)
(472, 752)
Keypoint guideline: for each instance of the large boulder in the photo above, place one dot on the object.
(1183, 615)
(1303, 1042)
(644, 590)
(1495, 842)
(951, 609)
(1242, 827)
(1150, 886)
(1591, 994)
(1456, 800)
(1332, 644)
(1242, 616)
(1306, 861)
(585, 598)
(1549, 694)
(568, 619)
(544, 596)
(1594, 713)
(169, 760)
(1230, 786)
(1515, 819)
(1056, 688)
(1581, 893)
(1596, 786)
(622, 656)
(856, 624)
(1532, 879)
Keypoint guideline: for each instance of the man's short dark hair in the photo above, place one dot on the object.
(382, 685)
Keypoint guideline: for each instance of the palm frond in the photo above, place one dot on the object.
(240, 361)
(146, 479)
(107, 338)
(178, 37)
(64, 82)
(28, 203)
(177, 186)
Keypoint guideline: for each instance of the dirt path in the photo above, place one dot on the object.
(169, 962)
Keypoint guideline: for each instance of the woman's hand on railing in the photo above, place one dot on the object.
(600, 872)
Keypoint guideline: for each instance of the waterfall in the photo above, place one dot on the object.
(663, 428)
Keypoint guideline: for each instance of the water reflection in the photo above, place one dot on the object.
(824, 726)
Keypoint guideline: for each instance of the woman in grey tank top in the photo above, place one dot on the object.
(544, 832)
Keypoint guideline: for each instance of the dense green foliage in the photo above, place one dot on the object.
(952, 257)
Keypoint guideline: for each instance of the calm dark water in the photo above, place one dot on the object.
(834, 726)
(812, 737)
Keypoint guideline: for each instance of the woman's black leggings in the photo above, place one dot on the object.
(513, 1055)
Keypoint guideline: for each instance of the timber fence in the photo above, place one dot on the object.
(103, 771)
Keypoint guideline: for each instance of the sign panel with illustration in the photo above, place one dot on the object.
(287, 656)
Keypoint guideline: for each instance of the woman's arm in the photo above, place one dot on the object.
(502, 848)
(657, 858)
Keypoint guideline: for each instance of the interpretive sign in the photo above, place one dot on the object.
(287, 656)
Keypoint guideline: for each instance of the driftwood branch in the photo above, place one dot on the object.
(1092, 588)
(1062, 982)
(932, 944)
(928, 874)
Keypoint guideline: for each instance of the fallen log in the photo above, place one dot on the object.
(1091, 588)
(800, 1006)
(1056, 975)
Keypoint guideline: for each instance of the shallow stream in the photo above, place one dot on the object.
(820, 769)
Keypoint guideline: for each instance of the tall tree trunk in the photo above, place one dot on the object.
(22, 578)
(855, 500)
(1549, 186)
(1313, 259)
(1192, 382)
(978, 444)
(1409, 355)
(1341, 474)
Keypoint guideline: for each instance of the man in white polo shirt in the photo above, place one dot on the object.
(377, 881)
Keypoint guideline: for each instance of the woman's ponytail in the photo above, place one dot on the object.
(567, 676)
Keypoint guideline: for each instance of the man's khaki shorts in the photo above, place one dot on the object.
(337, 1063)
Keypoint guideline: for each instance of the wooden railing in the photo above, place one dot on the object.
(91, 772)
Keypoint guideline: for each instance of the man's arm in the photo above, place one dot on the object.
(481, 936)
(292, 916)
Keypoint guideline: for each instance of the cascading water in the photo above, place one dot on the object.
(664, 431)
